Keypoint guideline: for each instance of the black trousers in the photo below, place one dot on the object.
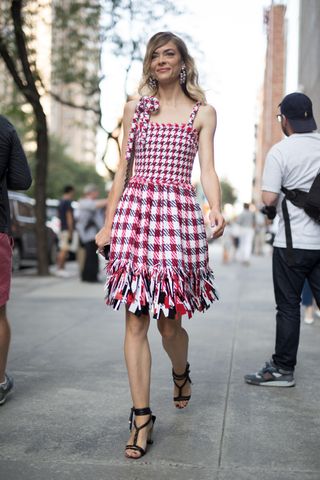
(91, 263)
(288, 284)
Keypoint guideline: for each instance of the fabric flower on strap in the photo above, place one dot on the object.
(145, 107)
(148, 105)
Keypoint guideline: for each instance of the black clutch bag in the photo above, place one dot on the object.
(106, 251)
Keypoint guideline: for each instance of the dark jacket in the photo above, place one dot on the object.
(14, 170)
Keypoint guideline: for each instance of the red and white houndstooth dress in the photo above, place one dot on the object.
(159, 252)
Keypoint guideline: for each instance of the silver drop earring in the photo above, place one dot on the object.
(153, 83)
(183, 75)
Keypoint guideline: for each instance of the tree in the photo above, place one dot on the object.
(17, 52)
(125, 34)
(122, 30)
(227, 192)
(64, 170)
(25, 79)
(82, 25)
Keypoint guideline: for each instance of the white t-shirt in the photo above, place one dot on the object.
(246, 219)
(90, 219)
(294, 163)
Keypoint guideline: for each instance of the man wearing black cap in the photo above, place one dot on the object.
(291, 164)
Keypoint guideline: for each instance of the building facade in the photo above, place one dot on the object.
(267, 129)
(75, 128)
(309, 52)
(292, 64)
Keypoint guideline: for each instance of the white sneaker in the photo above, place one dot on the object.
(308, 320)
(62, 273)
(317, 313)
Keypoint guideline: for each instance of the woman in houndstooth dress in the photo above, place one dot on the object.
(158, 249)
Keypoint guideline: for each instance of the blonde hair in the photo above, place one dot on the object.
(191, 88)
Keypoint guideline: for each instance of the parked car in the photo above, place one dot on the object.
(53, 221)
(23, 223)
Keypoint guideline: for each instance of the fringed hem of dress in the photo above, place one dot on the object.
(170, 291)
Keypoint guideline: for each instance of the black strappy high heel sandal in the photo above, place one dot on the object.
(186, 377)
(140, 412)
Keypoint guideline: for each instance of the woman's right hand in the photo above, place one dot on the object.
(103, 237)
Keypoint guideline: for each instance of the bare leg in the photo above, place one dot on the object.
(308, 314)
(5, 336)
(61, 259)
(175, 341)
(138, 361)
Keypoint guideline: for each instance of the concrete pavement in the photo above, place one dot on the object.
(67, 418)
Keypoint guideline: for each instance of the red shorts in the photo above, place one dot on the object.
(6, 244)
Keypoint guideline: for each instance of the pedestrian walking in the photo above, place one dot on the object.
(228, 247)
(91, 216)
(293, 164)
(307, 302)
(15, 175)
(158, 247)
(246, 222)
(67, 231)
(259, 232)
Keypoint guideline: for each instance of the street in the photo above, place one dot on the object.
(68, 416)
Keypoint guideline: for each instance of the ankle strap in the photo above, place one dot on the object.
(138, 412)
(182, 376)
(142, 411)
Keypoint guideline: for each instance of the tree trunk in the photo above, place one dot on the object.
(28, 87)
(42, 156)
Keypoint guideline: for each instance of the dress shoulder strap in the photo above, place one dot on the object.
(193, 114)
(145, 106)
(133, 128)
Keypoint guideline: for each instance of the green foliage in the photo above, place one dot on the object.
(130, 23)
(16, 111)
(78, 34)
(228, 193)
(64, 170)
(80, 29)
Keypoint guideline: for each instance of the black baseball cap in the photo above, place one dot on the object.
(297, 108)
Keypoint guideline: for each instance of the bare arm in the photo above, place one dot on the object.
(211, 186)
(103, 237)
(101, 202)
(270, 198)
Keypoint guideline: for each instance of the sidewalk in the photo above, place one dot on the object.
(68, 416)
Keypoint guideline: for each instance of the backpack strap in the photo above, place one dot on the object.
(312, 207)
(297, 197)
(289, 249)
(308, 201)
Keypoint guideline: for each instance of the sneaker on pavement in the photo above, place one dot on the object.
(271, 376)
(62, 273)
(5, 389)
(308, 320)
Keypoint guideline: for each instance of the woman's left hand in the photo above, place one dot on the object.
(217, 223)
